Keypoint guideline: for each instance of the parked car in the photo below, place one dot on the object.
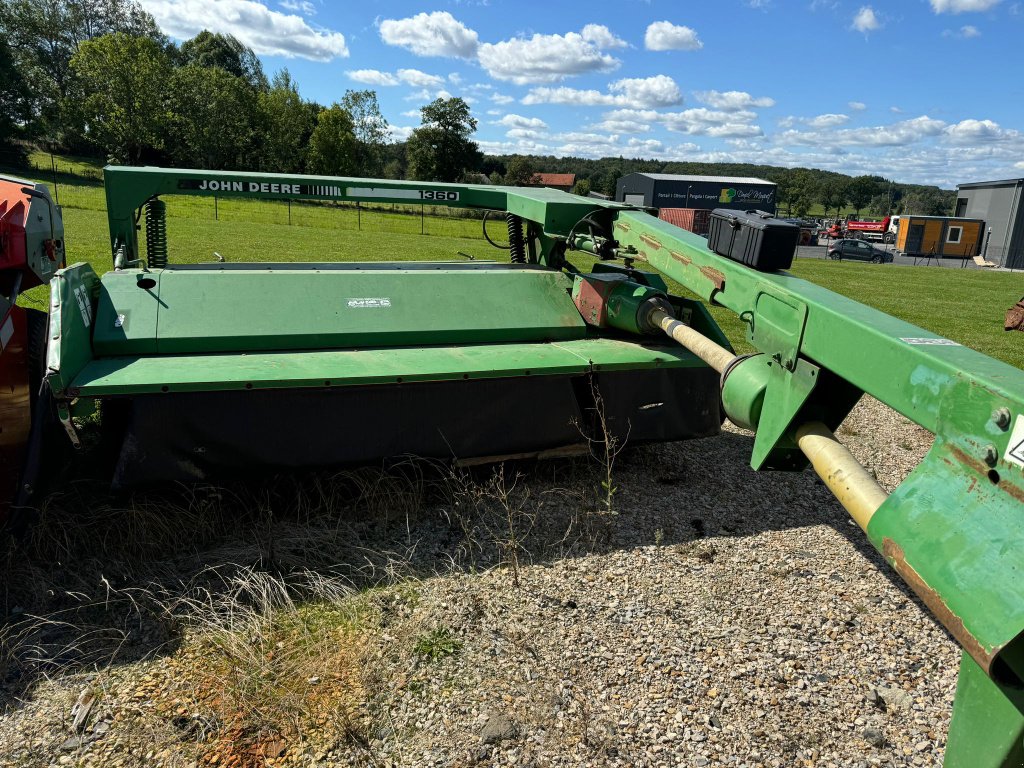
(858, 250)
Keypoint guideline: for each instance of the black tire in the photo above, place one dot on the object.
(876, 259)
(889, 238)
(834, 256)
(36, 322)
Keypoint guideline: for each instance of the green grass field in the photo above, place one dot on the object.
(964, 305)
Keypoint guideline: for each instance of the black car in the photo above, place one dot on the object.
(858, 250)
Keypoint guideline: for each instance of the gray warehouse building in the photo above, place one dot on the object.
(666, 190)
(999, 204)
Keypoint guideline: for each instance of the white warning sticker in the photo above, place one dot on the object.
(369, 303)
(930, 341)
(1015, 448)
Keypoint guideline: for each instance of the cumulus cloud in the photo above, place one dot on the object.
(431, 34)
(631, 92)
(899, 134)
(550, 58)
(385, 79)
(821, 121)
(501, 98)
(267, 32)
(518, 121)
(419, 79)
(865, 20)
(666, 36)
(304, 7)
(732, 101)
(857, 106)
(962, 6)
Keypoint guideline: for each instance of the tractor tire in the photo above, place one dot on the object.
(36, 322)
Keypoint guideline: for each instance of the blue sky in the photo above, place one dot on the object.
(927, 91)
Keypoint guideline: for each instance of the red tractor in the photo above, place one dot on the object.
(31, 250)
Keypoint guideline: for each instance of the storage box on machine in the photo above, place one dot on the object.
(754, 238)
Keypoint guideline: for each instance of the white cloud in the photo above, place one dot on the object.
(501, 98)
(732, 101)
(415, 113)
(962, 6)
(431, 34)
(974, 132)
(899, 134)
(518, 121)
(525, 133)
(419, 79)
(666, 36)
(857, 106)
(970, 31)
(630, 92)
(411, 77)
(400, 132)
(267, 32)
(602, 37)
(372, 77)
(455, 78)
(549, 58)
(304, 7)
(821, 121)
(1019, 165)
(865, 19)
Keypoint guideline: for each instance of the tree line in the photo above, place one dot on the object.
(99, 78)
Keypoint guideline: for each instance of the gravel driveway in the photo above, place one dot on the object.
(720, 618)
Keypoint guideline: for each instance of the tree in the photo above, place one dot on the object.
(14, 96)
(519, 172)
(611, 181)
(287, 126)
(860, 190)
(803, 191)
(332, 147)
(124, 79)
(832, 194)
(44, 36)
(211, 49)
(441, 148)
(371, 130)
(582, 188)
(214, 119)
(926, 201)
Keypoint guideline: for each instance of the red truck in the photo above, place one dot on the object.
(884, 230)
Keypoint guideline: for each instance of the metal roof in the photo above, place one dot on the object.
(714, 179)
(999, 183)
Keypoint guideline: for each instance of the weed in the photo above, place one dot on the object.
(437, 644)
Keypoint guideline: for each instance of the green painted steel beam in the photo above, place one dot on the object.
(338, 368)
(128, 188)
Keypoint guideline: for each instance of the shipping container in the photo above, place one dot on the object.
(940, 236)
(658, 190)
(691, 219)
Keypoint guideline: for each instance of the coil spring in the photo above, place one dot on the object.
(516, 244)
(156, 233)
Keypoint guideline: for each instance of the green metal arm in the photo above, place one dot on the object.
(549, 212)
(954, 529)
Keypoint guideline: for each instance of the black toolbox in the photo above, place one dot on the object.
(754, 238)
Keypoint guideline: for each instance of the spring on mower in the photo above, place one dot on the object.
(156, 233)
(516, 244)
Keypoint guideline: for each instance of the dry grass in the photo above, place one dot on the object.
(229, 625)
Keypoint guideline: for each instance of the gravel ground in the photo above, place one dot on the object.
(717, 617)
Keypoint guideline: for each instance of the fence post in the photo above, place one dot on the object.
(56, 187)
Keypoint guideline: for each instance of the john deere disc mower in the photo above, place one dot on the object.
(202, 369)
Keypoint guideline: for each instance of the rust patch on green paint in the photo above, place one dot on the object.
(681, 257)
(651, 241)
(893, 553)
(622, 225)
(714, 276)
